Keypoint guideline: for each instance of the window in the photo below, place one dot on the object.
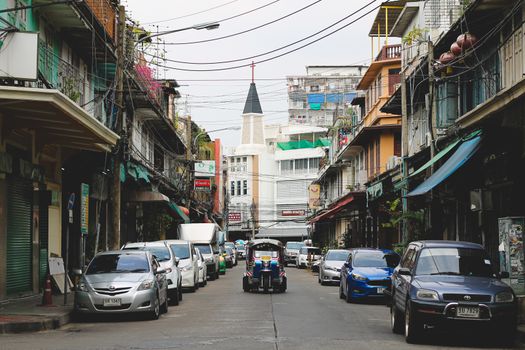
(287, 167)
(239, 187)
(245, 187)
(244, 159)
(232, 188)
(314, 165)
(301, 166)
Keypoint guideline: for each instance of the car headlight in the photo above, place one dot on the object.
(331, 268)
(147, 284)
(426, 294)
(358, 277)
(504, 297)
(187, 268)
(83, 286)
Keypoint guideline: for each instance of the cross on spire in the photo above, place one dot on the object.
(253, 71)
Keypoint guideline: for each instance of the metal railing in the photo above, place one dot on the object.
(389, 52)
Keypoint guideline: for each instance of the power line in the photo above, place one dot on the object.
(271, 51)
(192, 14)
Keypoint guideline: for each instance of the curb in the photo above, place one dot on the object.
(36, 324)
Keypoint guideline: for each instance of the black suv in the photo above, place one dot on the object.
(449, 283)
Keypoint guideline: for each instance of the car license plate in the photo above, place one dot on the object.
(380, 290)
(467, 311)
(112, 302)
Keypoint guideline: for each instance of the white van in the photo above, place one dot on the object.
(204, 236)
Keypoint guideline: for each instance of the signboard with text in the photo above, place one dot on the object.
(84, 208)
(314, 196)
(293, 212)
(205, 168)
(202, 183)
(234, 217)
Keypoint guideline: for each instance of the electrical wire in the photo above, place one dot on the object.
(191, 14)
(274, 50)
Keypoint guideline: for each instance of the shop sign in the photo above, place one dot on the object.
(234, 217)
(314, 196)
(205, 168)
(84, 208)
(202, 183)
(296, 212)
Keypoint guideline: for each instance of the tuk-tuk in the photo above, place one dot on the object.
(264, 266)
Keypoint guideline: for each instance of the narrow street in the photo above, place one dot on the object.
(221, 316)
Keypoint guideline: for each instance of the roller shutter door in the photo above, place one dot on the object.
(19, 219)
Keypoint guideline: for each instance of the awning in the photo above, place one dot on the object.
(464, 152)
(145, 196)
(55, 119)
(137, 172)
(178, 211)
(276, 232)
(334, 210)
(436, 158)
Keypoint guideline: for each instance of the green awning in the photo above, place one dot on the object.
(122, 173)
(315, 106)
(286, 146)
(142, 173)
(323, 142)
(175, 208)
(436, 158)
(137, 172)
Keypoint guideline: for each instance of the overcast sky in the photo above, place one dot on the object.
(213, 101)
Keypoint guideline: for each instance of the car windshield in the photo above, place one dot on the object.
(204, 248)
(261, 253)
(240, 247)
(161, 253)
(118, 263)
(229, 244)
(294, 245)
(181, 251)
(229, 250)
(337, 256)
(375, 259)
(454, 261)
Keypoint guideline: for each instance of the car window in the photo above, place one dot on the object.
(181, 250)
(118, 263)
(303, 250)
(315, 251)
(294, 245)
(336, 255)
(375, 259)
(454, 261)
(408, 258)
(204, 248)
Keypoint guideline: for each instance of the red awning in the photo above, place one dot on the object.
(330, 213)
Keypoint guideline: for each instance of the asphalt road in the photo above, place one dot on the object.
(222, 316)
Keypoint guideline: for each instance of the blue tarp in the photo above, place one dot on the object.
(340, 98)
(315, 98)
(464, 152)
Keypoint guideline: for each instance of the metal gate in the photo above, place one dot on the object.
(19, 231)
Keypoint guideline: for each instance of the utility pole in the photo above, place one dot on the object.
(404, 155)
(117, 161)
(189, 161)
(432, 124)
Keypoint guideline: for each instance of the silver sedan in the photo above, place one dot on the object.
(122, 282)
(330, 266)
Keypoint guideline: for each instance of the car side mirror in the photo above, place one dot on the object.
(504, 274)
(403, 271)
(347, 264)
(160, 271)
(77, 272)
(177, 261)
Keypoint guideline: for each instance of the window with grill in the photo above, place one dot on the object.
(245, 187)
(313, 165)
(232, 188)
(287, 167)
(239, 187)
(301, 166)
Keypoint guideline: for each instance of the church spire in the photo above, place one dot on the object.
(252, 105)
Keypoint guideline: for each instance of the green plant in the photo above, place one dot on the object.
(70, 89)
(413, 220)
(416, 34)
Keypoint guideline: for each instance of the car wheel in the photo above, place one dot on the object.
(180, 292)
(412, 328)
(245, 286)
(217, 275)
(349, 298)
(341, 294)
(196, 283)
(164, 307)
(155, 313)
(284, 285)
(174, 296)
(396, 320)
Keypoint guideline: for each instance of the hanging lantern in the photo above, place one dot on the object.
(446, 57)
(455, 49)
(466, 41)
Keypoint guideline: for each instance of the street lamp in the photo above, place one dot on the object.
(207, 26)
(202, 132)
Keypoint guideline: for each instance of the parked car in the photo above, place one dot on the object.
(234, 249)
(291, 251)
(366, 273)
(241, 251)
(203, 281)
(122, 282)
(330, 266)
(306, 256)
(168, 261)
(450, 283)
(229, 257)
(188, 262)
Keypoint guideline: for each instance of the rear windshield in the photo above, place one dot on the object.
(204, 248)
(240, 247)
(161, 253)
(337, 256)
(229, 244)
(375, 259)
(294, 245)
(181, 251)
(306, 250)
(118, 263)
(261, 253)
(229, 250)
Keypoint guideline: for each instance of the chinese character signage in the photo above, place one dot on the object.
(84, 208)
(314, 195)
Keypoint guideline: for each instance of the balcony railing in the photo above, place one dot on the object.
(389, 52)
(105, 13)
(60, 74)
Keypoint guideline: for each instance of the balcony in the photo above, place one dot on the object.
(106, 14)
(389, 52)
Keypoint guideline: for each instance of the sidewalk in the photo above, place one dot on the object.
(25, 315)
